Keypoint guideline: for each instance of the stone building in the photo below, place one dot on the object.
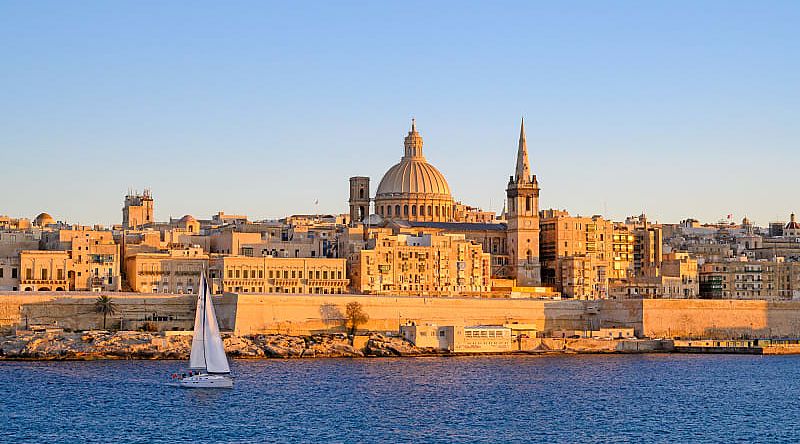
(11, 244)
(414, 194)
(745, 279)
(241, 274)
(94, 257)
(581, 254)
(45, 270)
(426, 265)
(175, 271)
(138, 209)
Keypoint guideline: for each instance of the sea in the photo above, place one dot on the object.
(495, 399)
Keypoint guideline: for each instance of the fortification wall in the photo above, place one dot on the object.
(75, 310)
(303, 314)
(665, 318)
(300, 314)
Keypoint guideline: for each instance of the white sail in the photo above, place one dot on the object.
(208, 352)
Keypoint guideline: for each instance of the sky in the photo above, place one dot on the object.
(676, 109)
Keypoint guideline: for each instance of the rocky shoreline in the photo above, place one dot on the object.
(96, 345)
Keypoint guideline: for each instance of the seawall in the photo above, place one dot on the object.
(308, 314)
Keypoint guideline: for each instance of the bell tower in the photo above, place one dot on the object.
(359, 199)
(523, 219)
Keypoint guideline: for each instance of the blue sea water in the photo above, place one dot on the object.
(586, 398)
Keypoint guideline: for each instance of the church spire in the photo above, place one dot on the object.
(523, 171)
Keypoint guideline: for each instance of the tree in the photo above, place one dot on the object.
(105, 305)
(354, 316)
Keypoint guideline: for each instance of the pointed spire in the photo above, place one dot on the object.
(523, 171)
(413, 125)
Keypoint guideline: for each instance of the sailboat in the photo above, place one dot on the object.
(207, 361)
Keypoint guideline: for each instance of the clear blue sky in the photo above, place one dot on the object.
(678, 109)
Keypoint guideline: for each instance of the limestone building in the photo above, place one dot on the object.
(278, 275)
(138, 209)
(425, 265)
(94, 257)
(174, 271)
(413, 194)
(580, 255)
(44, 270)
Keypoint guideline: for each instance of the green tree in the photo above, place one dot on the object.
(354, 316)
(105, 305)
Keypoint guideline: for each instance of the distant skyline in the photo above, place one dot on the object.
(675, 109)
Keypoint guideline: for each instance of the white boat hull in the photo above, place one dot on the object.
(206, 381)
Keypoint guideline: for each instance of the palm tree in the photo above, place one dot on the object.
(104, 304)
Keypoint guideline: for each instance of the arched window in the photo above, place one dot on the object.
(430, 211)
(397, 210)
(361, 193)
(422, 210)
(405, 210)
(529, 255)
(413, 210)
(388, 210)
(528, 203)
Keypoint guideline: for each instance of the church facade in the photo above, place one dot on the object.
(414, 197)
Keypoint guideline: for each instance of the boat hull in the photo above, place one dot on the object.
(206, 381)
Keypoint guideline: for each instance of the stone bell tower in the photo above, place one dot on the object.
(523, 219)
(359, 199)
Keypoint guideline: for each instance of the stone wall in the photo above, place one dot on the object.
(305, 314)
(296, 314)
(720, 318)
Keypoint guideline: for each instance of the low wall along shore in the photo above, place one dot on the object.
(306, 314)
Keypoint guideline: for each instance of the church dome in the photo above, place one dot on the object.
(792, 225)
(413, 176)
(43, 220)
(413, 189)
(187, 219)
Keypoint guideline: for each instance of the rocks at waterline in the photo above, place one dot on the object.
(143, 345)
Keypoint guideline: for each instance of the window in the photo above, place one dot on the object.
(13, 273)
(1, 272)
(405, 210)
(413, 210)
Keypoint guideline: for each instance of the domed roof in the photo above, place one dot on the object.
(44, 219)
(413, 174)
(187, 218)
(792, 225)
